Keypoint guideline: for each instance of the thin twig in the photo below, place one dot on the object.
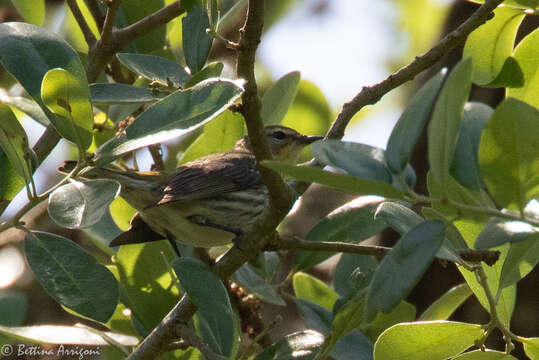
(191, 339)
(296, 243)
(110, 19)
(370, 95)
(157, 156)
(86, 31)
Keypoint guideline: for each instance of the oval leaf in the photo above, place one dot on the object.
(196, 42)
(28, 52)
(302, 345)
(497, 233)
(432, 340)
(445, 122)
(531, 347)
(177, 114)
(14, 142)
(520, 261)
(402, 267)
(352, 222)
(492, 43)
(67, 335)
(82, 204)
(528, 62)
(66, 97)
(465, 165)
(309, 288)
(211, 70)
(485, 355)
(363, 161)
(446, 304)
(411, 123)
(155, 68)
(509, 155)
(278, 98)
(72, 276)
(33, 11)
(256, 284)
(210, 296)
(122, 94)
(342, 182)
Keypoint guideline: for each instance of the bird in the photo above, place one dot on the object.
(210, 201)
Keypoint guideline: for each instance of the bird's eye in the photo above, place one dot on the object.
(279, 135)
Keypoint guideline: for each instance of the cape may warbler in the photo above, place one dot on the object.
(207, 202)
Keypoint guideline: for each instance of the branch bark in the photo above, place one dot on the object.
(370, 95)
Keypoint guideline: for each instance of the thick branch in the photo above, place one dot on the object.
(96, 13)
(251, 106)
(370, 95)
(295, 243)
(88, 35)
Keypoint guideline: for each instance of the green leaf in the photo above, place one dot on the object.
(211, 298)
(14, 143)
(196, 42)
(278, 98)
(213, 69)
(113, 93)
(350, 346)
(257, 285)
(346, 183)
(403, 312)
(307, 287)
(145, 277)
(218, 135)
(66, 335)
(33, 11)
(509, 155)
(179, 113)
(446, 304)
(432, 340)
(71, 276)
(135, 10)
(492, 43)
(465, 166)
(362, 161)
(531, 347)
(444, 125)
(520, 261)
(484, 355)
(302, 345)
(524, 55)
(401, 268)
(81, 204)
(27, 106)
(497, 233)
(346, 265)
(14, 305)
(28, 52)
(155, 68)
(66, 97)
(411, 123)
(402, 219)
(10, 182)
(352, 222)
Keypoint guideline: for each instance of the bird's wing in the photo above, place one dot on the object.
(210, 176)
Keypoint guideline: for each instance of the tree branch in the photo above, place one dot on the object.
(370, 95)
(96, 13)
(88, 35)
(295, 243)
(280, 194)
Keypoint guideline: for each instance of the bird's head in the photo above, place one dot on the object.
(285, 143)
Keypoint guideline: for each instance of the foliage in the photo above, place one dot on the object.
(483, 192)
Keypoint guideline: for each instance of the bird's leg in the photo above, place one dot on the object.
(203, 221)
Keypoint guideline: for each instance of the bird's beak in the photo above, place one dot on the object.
(311, 139)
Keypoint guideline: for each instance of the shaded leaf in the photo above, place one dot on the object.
(445, 123)
(115, 93)
(278, 98)
(14, 143)
(71, 276)
(520, 261)
(309, 288)
(402, 267)
(257, 285)
(155, 68)
(213, 69)
(196, 42)
(528, 64)
(302, 345)
(14, 305)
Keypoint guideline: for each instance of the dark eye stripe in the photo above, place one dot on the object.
(279, 135)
